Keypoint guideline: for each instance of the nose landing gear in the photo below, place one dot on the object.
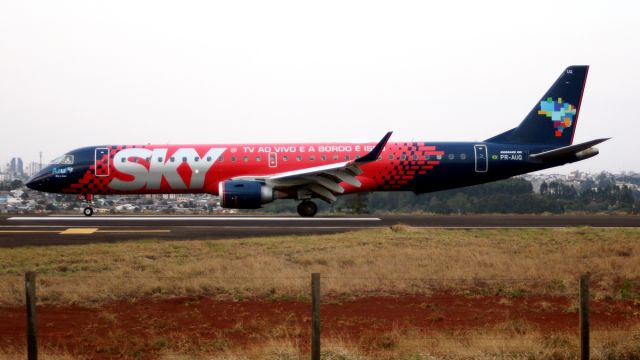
(88, 210)
(307, 208)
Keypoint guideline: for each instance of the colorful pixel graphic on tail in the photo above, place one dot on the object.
(560, 113)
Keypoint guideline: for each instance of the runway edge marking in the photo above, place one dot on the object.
(192, 218)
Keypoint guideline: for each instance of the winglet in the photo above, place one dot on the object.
(375, 153)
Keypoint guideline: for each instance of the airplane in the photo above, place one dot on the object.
(247, 176)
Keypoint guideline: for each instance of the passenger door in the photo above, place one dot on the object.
(102, 162)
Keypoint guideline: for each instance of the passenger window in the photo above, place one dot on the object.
(258, 158)
(323, 157)
(335, 157)
(404, 157)
(298, 158)
(148, 159)
(245, 158)
(415, 157)
(160, 159)
(358, 157)
(233, 158)
(451, 156)
(285, 158)
(172, 159)
(196, 159)
(184, 159)
(439, 157)
(390, 156)
(312, 158)
(346, 157)
(124, 160)
(208, 158)
(220, 158)
(463, 156)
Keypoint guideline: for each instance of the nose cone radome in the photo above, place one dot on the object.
(33, 183)
(40, 182)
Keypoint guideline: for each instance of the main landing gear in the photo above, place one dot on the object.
(307, 208)
(88, 210)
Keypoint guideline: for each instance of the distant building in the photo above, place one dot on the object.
(575, 175)
(33, 168)
(16, 168)
(183, 198)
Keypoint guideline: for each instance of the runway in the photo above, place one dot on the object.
(60, 230)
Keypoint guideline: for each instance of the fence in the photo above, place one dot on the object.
(477, 288)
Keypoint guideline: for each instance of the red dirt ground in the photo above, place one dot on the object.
(124, 329)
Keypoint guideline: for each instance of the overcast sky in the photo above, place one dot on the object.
(77, 73)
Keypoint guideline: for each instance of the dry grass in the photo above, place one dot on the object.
(385, 261)
(513, 340)
(505, 341)
(502, 342)
(21, 354)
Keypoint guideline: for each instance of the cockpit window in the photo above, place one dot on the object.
(63, 160)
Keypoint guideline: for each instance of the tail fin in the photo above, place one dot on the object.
(553, 119)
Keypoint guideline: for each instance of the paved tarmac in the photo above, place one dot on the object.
(23, 230)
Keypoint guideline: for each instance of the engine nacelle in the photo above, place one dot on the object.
(244, 194)
(587, 153)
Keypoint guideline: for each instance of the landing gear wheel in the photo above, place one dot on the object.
(88, 211)
(307, 208)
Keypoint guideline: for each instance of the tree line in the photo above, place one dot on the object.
(511, 196)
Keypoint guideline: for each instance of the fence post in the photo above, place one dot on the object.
(584, 316)
(315, 316)
(32, 335)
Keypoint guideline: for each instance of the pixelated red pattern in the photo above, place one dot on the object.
(409, 160)
(89, 183)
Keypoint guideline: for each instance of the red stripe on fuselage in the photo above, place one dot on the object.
(150, 169)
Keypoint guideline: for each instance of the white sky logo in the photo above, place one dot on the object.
(125, 162)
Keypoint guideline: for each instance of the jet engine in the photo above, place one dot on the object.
(244, 194)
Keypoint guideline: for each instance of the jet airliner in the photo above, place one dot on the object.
(247, 176)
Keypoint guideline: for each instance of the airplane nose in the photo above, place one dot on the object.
(38, 182)
(32, 183)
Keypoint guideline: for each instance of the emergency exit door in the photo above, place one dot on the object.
(273, 160)
(482, 160)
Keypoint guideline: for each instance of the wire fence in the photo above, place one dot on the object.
(360, 315)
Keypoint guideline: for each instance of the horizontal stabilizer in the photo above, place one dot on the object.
(579, 150)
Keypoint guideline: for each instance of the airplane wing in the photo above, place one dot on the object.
(572, 150)
(322, 181)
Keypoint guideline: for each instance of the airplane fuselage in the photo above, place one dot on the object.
(402, 166)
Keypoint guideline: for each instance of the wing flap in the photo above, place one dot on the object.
(322, 192)
(346, 177)
(327, 183)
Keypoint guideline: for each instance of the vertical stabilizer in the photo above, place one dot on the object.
(553, 119)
